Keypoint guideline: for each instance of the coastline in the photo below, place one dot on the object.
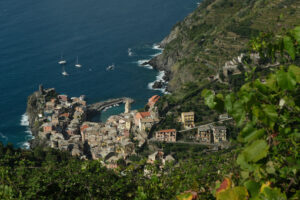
(29, 136)
(161, 81)
(161, 78)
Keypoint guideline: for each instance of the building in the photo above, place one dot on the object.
(188, 119)
(205, 134)
(166, 135)
(141, 115)
(219, 133)
(158, 155)
(63, 98)
(146, 123)
(153, 100)
(47, 128)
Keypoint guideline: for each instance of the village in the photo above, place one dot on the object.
(63, 124)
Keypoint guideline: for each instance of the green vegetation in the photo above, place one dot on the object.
(50, 174)
(218, 31)
(263, 100)
(268, 115)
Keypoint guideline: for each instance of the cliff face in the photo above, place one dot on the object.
(216, 32)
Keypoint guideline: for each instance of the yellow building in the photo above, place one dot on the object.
(188, 119)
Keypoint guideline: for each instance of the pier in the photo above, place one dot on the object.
(100, 106)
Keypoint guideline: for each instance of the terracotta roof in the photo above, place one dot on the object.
(167, 131)
(83, 127)
(142, 115)
(65, 115)
(154, 99)
(188, 113)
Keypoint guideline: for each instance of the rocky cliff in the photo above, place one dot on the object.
(35, 106)
(216, 32)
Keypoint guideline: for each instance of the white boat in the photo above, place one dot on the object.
(77, 64)
(65, 73)
(62, 61)
(111, 67)
(130, 52)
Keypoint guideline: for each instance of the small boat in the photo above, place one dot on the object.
(111, 67)
(130, 52)
(62, 61)
(65, 73)
(77, 64)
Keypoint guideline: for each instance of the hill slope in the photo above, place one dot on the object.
(217, 31)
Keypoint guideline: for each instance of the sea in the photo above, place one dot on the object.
(35, 35)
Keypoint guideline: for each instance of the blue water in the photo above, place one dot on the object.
(34, 34)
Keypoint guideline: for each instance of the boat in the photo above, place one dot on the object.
(62, 61)
(77, 64)
(65, 73)
(111, 67)
(130, 52)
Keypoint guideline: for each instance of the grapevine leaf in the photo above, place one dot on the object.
(270, 111)
(256, 151)
(228, 102)
(296, 33)
(289, 46)
(286, 81)
(252, 187)
(236, 193)
(296, 71)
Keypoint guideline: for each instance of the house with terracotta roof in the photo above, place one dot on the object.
(144, 120)
(63, 98)
(141, 115)
(47, 127)
(168, 135)
(153, 100)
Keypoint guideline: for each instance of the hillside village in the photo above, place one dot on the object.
(63, 124)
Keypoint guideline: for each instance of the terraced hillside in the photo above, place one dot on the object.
(216, 32)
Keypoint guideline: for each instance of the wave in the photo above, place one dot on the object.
(157, 54)
(24, 145)
(24, 120)
(3, 137)
(159, 77)
(141, 62)
(157, 47)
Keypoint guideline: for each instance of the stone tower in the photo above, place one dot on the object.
(41, 89)
(127, 106)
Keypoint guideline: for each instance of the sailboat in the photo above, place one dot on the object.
(64, 71)
(62, 61)
(77, 64)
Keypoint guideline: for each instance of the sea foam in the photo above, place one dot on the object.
(141, 62)
(25, 122)
(3, 137)
(159, 77)
(157, 47)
